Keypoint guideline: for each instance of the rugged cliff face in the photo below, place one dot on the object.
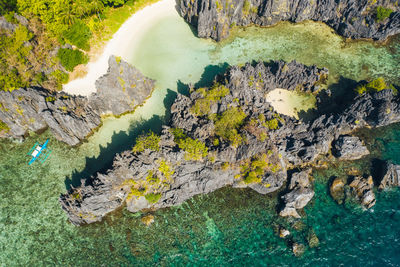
(73, 118)
(351, 18)
(227, 134)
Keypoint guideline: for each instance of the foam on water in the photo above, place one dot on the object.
(228, 227)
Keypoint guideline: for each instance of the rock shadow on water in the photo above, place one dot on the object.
(210, 73)
(120, 141)
(338, 96)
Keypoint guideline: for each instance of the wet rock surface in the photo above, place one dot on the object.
(351, 18)
(362, 190)
(72, 118)
(337, 190)
(257, 152)
(391, 176)
(349, 148)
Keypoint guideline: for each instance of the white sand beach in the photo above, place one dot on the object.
(290, 103)
(122, 44)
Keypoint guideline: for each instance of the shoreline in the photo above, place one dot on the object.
(121, 44)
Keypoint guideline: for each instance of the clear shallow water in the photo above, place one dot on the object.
(228, 227)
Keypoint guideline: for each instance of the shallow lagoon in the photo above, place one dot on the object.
(230, 226)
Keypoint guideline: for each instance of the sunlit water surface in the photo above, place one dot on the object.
(228, 227)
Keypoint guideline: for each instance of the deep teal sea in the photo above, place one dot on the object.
(230, 227)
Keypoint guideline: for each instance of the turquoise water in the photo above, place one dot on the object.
(227, 227)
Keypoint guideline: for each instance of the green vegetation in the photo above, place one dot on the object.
(195, 149)
(136, 192)
(272, 124)
(228, 124)
(153, 197)
(60, 78)
(70, 58)
(166, 169)
(50, 99)
(151, 186)
(79, 34)
(376, 85)
(4, 127)
(246, 7)
(152, 179)
(382, 13)
(149, 140)
(253, 170)
(202, 105)
(52, 23)
(219, 6)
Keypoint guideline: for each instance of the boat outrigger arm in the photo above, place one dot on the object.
(39, 152)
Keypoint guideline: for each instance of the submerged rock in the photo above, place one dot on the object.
(298, 249)
(391, 176)
(350, 18)
(312, 239)
(148, 220)
(349, 148)
(337, 190)
(283, 232)
(72, 118)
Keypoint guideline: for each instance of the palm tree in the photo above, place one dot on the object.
(96, 6)
(81, 8)
(68, 16)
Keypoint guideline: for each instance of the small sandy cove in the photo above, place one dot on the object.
(122, 44)
(288, 102)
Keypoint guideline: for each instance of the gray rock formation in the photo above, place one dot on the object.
(122, 88)
(349, 148)
(7, 26)
(350, 18)
(72, 118)
(254, 152)
(391, 176)
(300, 193)
(362, 190)
(303, 143)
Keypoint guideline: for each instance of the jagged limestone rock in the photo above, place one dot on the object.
(350, 18)
(289, 142)
(391, 176)
(362, 190)
(72, 118)
(300, 192)
(349, 148)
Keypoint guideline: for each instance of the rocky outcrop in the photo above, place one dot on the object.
(337, 190)
(72, 118)
(391, 176)
(349, 148)
(303, 143)
(357, 189)
(6, 25)
(300, 193)
(351, 18)
(229, 134)
(122, 89)
(362, 190)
